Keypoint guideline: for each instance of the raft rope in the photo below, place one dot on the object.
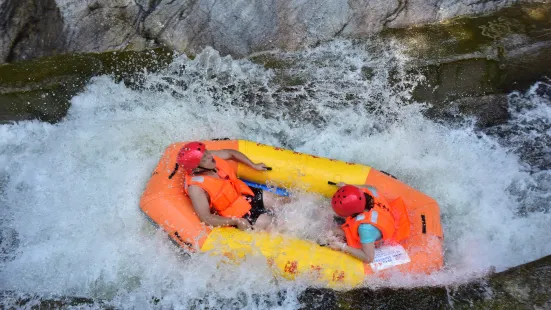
(174, 171)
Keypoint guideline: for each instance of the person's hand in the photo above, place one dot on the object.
(341, 184)
(242, 224)
(260, 167)
(336, 245)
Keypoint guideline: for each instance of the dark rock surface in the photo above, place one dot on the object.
(33, 28)
(522, 287)
(42, 88)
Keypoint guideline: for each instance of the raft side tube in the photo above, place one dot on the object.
(289, 258)
(299, 170)
(166, 204)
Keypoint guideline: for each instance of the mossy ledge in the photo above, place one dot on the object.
(522, 287)
(42, 88)
(470, 62)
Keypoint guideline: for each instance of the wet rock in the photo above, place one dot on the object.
(522, 287)
(33, 28)
(42, 88)
(30, 29)
(13, 300)
(103, 25)
(487, 111)
(479, 57)
(458, 79)
(527, 64)
(490, 110)
(238, 28)
(129, 66)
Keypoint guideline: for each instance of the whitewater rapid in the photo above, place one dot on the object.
(69, 192)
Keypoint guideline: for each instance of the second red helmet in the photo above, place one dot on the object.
(348, 200)
(190, 155)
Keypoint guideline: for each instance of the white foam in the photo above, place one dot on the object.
(72, 189)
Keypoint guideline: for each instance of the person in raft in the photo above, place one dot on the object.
(368, 220)
(211, 184)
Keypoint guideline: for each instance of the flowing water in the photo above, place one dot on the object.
(69, 192)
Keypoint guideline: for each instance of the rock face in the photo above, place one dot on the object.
(29, 29)
(32, 28)
(42, 88)
(469, 63)
(35, 28)
(521, 287)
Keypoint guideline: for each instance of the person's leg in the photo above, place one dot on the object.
(260, 217)
(263, 222)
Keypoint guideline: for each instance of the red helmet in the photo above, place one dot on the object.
(348, 200)
(190, 155)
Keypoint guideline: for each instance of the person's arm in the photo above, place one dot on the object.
(368, 235)
(366, 254)
(202, 208)
(240, 157)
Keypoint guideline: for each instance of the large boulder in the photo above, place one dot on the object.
(36, 28)
(522, 287)
(42, 88)
(470, 62)
(32, 28)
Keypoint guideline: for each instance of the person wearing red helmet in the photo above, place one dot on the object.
(368, 220)
(218, 196)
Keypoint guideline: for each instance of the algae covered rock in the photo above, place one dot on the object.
(238, 28)
(522, 287)
(42, 88)
(479, 58)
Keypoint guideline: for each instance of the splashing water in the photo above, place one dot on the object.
(70, 218)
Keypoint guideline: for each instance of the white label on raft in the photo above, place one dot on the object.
(389, 256)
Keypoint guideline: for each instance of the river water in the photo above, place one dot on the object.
(69, 192)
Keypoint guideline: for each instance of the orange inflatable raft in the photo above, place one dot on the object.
(165, 203)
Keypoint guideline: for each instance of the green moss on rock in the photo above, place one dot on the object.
(468, 35)
(522, 287)
(125, 65)
(457, 79)
(272, 61)
(42, 88)
(478, 57)
(46, 71)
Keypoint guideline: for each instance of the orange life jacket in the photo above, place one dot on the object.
(226, 193)
(392, 220)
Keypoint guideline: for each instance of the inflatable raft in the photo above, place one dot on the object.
(165, 203)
